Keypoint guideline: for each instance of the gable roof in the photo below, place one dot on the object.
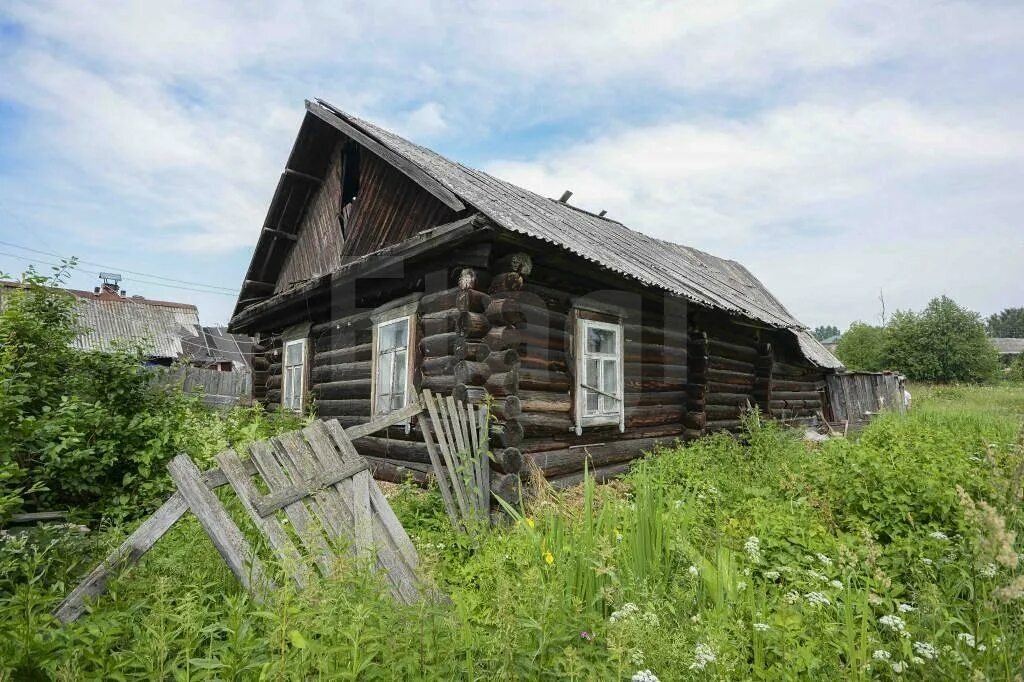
(1008, 346)
(684, 271)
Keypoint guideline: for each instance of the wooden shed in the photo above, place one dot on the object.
(384, 268)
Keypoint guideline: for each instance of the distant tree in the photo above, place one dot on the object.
(862, 347)
(1007, 324)
(1016, 369)
(944, 342)
(826, 332)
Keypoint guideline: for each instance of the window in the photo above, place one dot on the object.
(294, 375)
(391, 357)
(599, 374)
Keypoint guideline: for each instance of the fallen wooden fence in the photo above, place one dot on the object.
(316, 480)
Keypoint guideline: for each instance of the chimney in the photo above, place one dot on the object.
(110, 282)
(564, 199)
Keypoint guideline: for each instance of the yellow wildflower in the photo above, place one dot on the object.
(549, 558)
(529, 522)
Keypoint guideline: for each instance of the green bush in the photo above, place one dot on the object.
(862, 348)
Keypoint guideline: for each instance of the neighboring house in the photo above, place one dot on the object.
(384, 268)
(831, 343)
(215, 348)
(1008, 349)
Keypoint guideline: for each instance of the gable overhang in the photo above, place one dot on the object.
(293, 305)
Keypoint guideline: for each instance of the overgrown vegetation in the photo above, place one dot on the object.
(92, 431)
(1006, 323)
(894, 555)
(944, 342)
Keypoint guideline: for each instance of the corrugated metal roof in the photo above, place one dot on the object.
(161, 328)
(1007, 346)
(814, 351)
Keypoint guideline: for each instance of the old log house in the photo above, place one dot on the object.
(384, 268)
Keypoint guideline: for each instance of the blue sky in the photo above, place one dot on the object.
(836, 149)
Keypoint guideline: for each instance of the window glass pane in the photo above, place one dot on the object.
(610, 383)
(293, 354)
(394, 335)
(591, 398)
(382, 403)
(398, 382)
(592, 376)
(384, 369)
(600, 340)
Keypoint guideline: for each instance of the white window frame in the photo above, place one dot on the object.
(397, 318)
(602, 419)
(286, 375)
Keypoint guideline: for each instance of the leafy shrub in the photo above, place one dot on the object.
(862, 348)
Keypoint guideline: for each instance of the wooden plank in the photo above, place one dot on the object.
(326, 452)
(302, 520)
(485, 465)
(446, 450)
(333, 513)
(266, 505)
(440, 475)
(127, 553)
(381, 423)
(270, 526)
(384, 513)
(452, 412)
(226, 536)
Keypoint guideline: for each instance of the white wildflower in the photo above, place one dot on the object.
(881, 655)
(772, 575)
(644, 676)
(792, 597)
(988, 571)
(820, 577)
(762, 627)
(693, 570)
(741, 586)
(651, 618)
(703, 654)
(892, 622)
(838, 584)
(824, 559)
(817, 599)
(938, 535)
(874, 599)
(926, 561)
(898, 667)
(981, 647)
(753, 549)
(627, 610)
(926, 650)
(695, 618)
(917, 660)
(906, 608)
(967, 638)
(636, 657)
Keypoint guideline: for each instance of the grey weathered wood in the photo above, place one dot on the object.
(302, 520)
(453, 417)
(303, 466)
(127, 553)
(443, 484)
(226, 536)
(381, 423)
(485, 464)
(433, 408)
(248, 495)
(266, 505)
(324, 450)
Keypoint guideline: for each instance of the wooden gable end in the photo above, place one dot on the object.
(351, 216)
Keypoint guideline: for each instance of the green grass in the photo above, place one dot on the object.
(774, 559)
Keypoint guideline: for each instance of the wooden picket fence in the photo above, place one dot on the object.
(462, 467)
(316, 481)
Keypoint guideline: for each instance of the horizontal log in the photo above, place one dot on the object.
(443, 384)
(340, 356)
(675, 338)
(695, 420)
(274, 368)
(469, 300)
(742, 366)
(436, 366)
(396, 472)
(653, 415)
(402, 450)
(796, 395)
(545, 401)
(599, 475)
(543, 337)
(260, 363)
(473, 325)
(540, 380)
(782, 385)
(724, 376)
(598, 434)
(439, 345)
(660, 398)
(723, 425)
(505, 312)
(472, 373)
(654, 353)
(346, 407)
(441, 322)
(541, 315)
(726, 349)
(719, 387)
(717, 412)
(652, 384)
(541, 423)
(568, 460)
(346, 372)
(469, 394)
(634, 370)
(273, 395)
(532, 357)
(338, 390)
(784, 369)
(733, 399)
(794, 404)
(274, 381)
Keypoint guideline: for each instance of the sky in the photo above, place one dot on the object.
(845, 152)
